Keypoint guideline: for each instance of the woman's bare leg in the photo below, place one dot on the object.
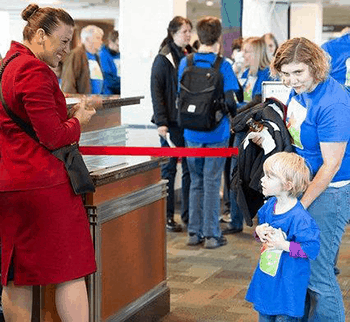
(72, 301)
(17, 303)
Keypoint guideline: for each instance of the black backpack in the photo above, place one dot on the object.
(201, 102)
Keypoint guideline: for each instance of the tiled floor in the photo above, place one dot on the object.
(210, 285)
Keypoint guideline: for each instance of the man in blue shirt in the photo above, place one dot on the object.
(110, 64)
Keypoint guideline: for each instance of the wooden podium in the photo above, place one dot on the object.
(127, 215)
(127, 220)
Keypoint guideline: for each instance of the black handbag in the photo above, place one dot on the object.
(78, 173)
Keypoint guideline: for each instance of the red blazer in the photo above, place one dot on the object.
(31, 90)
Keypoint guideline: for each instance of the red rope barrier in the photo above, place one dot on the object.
(159, 152)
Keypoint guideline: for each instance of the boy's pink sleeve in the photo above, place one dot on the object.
(295, 250)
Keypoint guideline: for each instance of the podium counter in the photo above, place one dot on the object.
(127, 215)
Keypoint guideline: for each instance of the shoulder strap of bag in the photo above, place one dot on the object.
(190, 60)
(23, 125)
(217, 62)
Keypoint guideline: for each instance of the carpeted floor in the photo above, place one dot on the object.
(210, 285)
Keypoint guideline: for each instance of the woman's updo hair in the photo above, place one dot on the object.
(47, 18)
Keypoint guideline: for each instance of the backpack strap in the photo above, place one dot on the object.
(217, 62)
(190, 60)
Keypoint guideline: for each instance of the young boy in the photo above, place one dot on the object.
(290, 238)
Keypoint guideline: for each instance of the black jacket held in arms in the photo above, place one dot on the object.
(247, 174)
(164, 84)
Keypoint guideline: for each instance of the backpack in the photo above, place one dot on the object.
(201, 102)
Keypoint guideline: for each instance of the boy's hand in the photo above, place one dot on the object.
(277, 240)
(262, 231)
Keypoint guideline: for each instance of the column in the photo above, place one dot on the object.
(142, 27)
(231, 13)
(306, 21)
(256, 18)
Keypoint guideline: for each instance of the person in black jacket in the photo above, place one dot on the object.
(163, 91)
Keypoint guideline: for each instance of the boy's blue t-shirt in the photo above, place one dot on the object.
(222, 131)
(284, 293)
(339, 51)
(96, 78)
(320, 116)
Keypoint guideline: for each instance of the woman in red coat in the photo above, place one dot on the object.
(44, 228)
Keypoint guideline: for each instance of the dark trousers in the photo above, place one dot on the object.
(227, 180)
(169, 173)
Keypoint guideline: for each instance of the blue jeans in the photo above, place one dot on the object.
(236, 214)
(205, 176)
(169, 173)
(331, 212)
(277, 318)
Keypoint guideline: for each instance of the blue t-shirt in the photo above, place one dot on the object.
(96, 78)
(284, 293)
(110, 65)
(320, 116)
(252, 85)
(339, 51)
(222, 131)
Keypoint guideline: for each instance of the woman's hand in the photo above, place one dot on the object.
(83, 112)
(258, 139)
(162, 131)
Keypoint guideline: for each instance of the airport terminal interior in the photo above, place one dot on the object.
(146, 272)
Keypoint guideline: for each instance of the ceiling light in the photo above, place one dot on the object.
(209, 3)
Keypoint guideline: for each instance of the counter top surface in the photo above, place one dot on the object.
(106, 168)
(108, 101)
(124, 167)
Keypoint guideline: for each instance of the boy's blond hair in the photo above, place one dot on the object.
(289, 167)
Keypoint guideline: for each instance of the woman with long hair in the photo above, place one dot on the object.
(163, 91)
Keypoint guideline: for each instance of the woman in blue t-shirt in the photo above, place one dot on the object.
(257, 63)
(318, 120)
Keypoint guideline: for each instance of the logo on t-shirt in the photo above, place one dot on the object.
(248, 88)
(347, 77)
(296, 115)
(95, 70)
(117, 65)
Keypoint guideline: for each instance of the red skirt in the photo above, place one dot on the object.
(45, 232)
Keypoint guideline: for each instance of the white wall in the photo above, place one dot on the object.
(256, 18)
(306, 21)
(142, 27)
(279, 22)
(5, 32)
